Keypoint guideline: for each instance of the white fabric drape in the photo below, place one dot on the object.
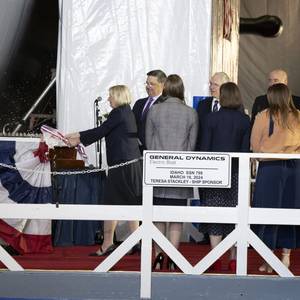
(108, 42)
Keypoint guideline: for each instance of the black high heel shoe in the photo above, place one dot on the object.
(135, 249)
(171, 265)
(108, 251)
(158, 262)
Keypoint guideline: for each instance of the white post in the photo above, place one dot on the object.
(9, 261)
(146, 253)
(243, 209)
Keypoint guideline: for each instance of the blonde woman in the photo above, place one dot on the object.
(123, 185)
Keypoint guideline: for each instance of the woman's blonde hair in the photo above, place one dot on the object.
(121, 94)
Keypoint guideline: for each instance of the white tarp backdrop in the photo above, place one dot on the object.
(108, 42)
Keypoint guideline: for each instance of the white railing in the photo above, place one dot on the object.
(242, 215)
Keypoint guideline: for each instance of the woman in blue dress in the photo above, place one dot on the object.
(277, 130)
(227, 130)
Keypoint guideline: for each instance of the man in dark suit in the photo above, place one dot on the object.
(261, 102)
(210, 104)
(154, 86)
(205, 107)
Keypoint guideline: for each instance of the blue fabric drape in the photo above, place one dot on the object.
(77, 189)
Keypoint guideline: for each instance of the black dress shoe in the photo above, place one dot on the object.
(171, 265)
(135, 249)
(99, 237)
(205, 240)
(158, 262)
(109, 250)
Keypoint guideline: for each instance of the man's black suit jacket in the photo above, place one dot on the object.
(141, 122)
(203, 109)
(261, 103)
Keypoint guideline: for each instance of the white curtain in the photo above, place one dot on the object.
(108, 42)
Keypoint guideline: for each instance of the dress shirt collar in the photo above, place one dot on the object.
(154, 98)
(213, 102)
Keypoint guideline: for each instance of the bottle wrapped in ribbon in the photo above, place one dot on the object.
(54, 137)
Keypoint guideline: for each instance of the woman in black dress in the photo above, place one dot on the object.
(124, 184)
(227, 130)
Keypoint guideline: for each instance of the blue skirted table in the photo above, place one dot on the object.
(77, 189)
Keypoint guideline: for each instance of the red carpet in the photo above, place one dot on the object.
(76, 258)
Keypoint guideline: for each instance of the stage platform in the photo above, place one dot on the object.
(66, 275)
(125, 286)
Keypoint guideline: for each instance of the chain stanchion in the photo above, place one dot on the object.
(88, 171)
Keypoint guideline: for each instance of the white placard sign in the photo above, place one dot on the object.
(187, 169)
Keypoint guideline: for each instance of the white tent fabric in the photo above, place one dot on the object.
(108, 42)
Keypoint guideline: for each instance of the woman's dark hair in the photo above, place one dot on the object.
(281, 103)
(174, 87)
(230, 96)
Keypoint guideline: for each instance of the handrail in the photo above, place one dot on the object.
(35, 104)
(242, 215)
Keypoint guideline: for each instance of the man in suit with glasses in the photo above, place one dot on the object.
(210, 104)
(154, 86)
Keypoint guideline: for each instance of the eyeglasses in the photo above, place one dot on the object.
(151, 84)
(214, 84)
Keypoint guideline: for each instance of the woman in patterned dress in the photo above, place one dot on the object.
(227, 130)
